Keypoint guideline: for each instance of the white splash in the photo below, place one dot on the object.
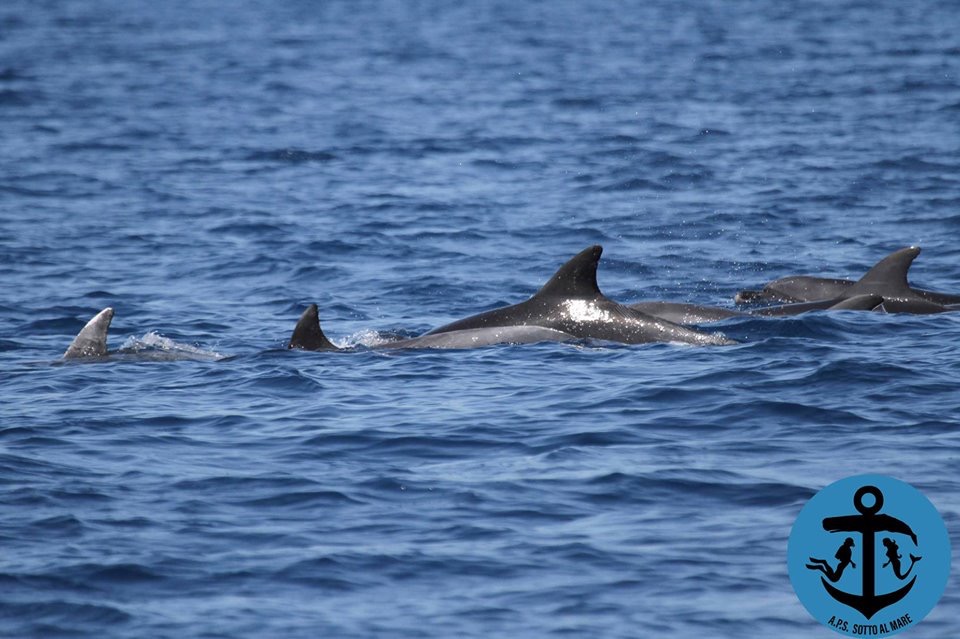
(368, 338)
(586, 311)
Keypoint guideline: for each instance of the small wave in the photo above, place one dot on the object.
(242, 483)
(153, 342)
(633, 184)
(124, 573)
(10, 74)
(578, 103)
(13, 98)
(250, 229)
(64, 612)
(293, 156)
(704, 133)
(310, 498)
(92, 145)
(64, 526)
(915, 164)
(317, 572)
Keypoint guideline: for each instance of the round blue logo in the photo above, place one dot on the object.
(869, 556)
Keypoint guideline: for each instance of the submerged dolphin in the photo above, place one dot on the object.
(568, 307)
(887, 278)
(682, 313)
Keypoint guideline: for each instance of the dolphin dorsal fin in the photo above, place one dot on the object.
(889, 276)
(576, 278)
(307, 334)
(91, 341)
(865, 302)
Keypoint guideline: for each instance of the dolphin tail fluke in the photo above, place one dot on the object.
(307, 335)
(91, 341)
(866, 302)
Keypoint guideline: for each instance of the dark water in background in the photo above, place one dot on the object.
(208, 169)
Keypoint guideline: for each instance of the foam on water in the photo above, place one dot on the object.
(367, 337)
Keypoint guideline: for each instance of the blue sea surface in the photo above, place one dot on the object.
(209, 169)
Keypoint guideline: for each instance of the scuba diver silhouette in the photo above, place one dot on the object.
(845, 557)
(893, 557)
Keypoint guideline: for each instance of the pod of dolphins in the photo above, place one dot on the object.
(571, 307)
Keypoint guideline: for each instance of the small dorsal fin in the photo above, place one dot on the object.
(91, 341)
(889, 276)
(307, 335)
(576, 278)
(865, 302)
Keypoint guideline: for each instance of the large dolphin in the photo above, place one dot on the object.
(682, 313)
(887, 278)
(568, 307)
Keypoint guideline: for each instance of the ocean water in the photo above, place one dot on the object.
(209, 169)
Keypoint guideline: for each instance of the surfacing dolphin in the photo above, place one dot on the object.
(91, 344)
(308, 336)
(682, 313)
(569, 307)
(888, 278)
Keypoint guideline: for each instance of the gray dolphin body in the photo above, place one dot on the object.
(795, 288)
(887, 278)
(681, 313)
(308, 336)
(568, 307)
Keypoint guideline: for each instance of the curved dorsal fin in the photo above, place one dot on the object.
(91, 341)
(865, 302)
(576, 278)
(889, 276)
(307, 334)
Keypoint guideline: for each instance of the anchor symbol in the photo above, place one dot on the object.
(868, 523)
